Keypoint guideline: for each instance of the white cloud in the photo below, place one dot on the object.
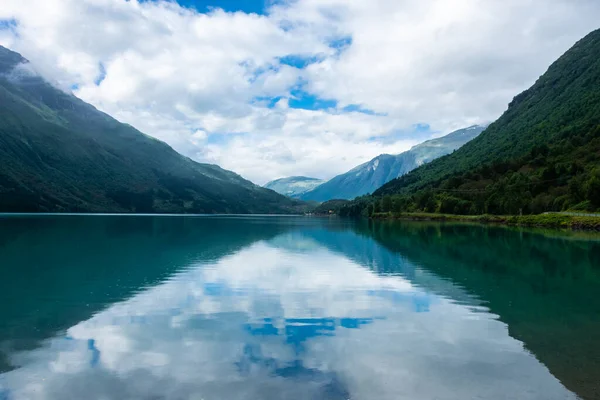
(180, 340)
(446, 62)
(173, 72)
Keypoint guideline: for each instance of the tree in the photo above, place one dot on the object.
(398, 204)
(376, 206)
(448, 204)
(593, 189)
(370, 209)
(577, 189)
(424, 200)
(386, 203)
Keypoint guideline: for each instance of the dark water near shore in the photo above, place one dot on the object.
(168, 307)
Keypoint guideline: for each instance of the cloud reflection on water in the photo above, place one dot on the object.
(284, 319)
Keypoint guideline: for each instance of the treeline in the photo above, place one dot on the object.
(564, 175)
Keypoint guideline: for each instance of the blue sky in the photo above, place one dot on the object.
(247, 6)
(8, 23)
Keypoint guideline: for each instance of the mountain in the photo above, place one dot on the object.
(368, 177)
(60, 154)
(542, 154)
(294, 186)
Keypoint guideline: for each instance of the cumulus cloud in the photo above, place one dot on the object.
(224, 87)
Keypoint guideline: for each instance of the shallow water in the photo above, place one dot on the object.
(168, 307)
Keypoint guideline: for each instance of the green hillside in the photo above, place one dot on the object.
(60, 154)
(542, 154)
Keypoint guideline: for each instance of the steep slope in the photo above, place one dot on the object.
(368, 177)
(59, 153)
(542, 154)
(562, 104)
(293, 186)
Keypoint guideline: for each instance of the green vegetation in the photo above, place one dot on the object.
(329, 207)
(550, 220)
(59, 154)
(542, 154)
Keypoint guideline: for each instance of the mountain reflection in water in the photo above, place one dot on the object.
(293, 308)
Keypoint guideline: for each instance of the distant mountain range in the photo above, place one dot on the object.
(60, 154)
(368, 177)
(294, 186)
(542, 154)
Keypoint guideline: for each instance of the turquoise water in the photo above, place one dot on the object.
(172, 307)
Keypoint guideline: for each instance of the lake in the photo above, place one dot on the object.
(210, 308)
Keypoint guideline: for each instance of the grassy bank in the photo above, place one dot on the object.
(551, 220)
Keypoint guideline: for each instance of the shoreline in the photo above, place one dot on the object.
(129, 214)
(552, 220)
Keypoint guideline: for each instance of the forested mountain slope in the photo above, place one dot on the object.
(542, 154)
(61, 154)
(564, 102)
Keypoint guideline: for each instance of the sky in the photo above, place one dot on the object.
(277, 88)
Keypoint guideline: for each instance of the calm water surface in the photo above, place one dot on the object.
(211, 308)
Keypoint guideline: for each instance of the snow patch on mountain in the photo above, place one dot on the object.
(294, 186)
(368, 177)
